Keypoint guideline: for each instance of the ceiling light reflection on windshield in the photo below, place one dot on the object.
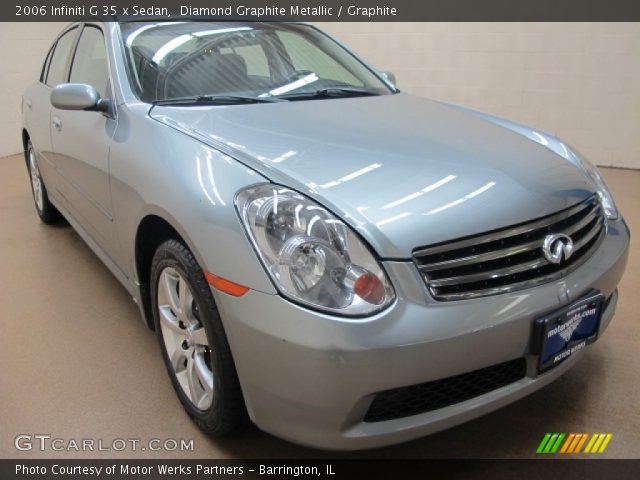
(206, 33)
(137, 32)
(312, 77)
(170, 46)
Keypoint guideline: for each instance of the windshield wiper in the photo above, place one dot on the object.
(214, 100)
(331, 92)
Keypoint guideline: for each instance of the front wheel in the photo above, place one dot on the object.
(193, 342)
(46, 211)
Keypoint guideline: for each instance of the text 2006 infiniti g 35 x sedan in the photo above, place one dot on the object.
(348, 265)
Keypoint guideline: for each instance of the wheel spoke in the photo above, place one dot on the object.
(178, 358)
(205, 401)
(202, 371)
(199, 336)
(194, 394)
(169, 320)
(168, 285)
(185, 299)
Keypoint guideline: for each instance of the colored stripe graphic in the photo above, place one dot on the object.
(590, 444)
(606, 441)
(573, 442)
(555, 447)
(543, 443)
(598, 443)
(567, 442)
(581, 443)
(550, 443)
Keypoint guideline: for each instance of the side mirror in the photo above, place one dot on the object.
(78, 96)
(390, 76)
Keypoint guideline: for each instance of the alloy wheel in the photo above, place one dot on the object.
(36, 181)
(185, 339)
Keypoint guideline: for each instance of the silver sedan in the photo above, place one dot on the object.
(346, 265)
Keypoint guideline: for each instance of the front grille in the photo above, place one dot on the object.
(509, 259)
(425, 397)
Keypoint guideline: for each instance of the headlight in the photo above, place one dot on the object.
(312, 257)
(606, 199)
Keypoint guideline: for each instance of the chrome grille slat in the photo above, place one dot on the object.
(509, 259)
(501, 272)
(584, 240)
(509, 232)
(584, 222)
(505, 252)
(481, 257)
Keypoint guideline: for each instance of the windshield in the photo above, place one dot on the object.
(178, 60)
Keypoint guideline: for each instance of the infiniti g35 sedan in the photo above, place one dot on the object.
(346, 265)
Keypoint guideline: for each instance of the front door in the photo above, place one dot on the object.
(81, 142)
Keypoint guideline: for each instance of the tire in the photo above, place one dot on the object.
(46, 211)
(192, 340)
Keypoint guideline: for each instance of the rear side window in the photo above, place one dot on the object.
(90, 61)
(58, 65)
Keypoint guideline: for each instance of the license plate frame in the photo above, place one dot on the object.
(560, 334)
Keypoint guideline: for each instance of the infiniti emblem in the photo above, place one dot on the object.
(557, 247)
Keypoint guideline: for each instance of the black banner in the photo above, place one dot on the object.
(326, 10)
(325, 469)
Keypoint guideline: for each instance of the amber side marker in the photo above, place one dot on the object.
(225, 285)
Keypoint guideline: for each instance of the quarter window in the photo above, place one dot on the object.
(90, 61)
(58, 66)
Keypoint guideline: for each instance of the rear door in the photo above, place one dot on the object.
(37, 106)
(81, 142)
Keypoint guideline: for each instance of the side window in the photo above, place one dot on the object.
(58, 64)
(90, 61)
(305, 56)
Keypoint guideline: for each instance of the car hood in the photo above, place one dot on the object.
(404, 171)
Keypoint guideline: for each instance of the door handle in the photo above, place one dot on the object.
(29, 105)
(57, 124)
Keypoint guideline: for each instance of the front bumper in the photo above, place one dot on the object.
(310, 377)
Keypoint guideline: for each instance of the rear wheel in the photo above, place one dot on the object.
(46, 211)
(193, 343)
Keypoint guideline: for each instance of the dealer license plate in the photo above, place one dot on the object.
(567, 331)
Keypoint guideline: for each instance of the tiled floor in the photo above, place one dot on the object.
(77, 362)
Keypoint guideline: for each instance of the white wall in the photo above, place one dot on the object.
(580, 81)
(23, 47)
